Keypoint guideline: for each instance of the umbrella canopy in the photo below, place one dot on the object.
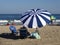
(35, 18)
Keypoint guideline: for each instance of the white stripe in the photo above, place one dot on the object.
(47, 13)
(42, 20)
(45, 16)
(27, 22)
(35, 10)
(24, 17)
(34, 22)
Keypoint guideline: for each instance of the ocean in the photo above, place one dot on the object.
(10, 16)
(57, 16)
(18, 16)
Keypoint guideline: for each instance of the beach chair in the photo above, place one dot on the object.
(13, 30)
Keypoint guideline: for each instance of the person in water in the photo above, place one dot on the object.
(52, 19)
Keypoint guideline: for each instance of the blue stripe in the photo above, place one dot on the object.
(25, 15)
(37, 9)
(25, 19)
(44, 11)
(38, 22)
(46, 14)
(47, 21)
(31, 22)
(33, 10)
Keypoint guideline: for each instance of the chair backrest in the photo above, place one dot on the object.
(12, 28)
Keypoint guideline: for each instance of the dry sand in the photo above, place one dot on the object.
(50, 35)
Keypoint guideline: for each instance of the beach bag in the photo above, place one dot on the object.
(35, 35)
(23, 34)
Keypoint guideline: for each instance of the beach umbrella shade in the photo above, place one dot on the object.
(35, 18)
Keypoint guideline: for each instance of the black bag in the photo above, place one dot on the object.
(24, 33)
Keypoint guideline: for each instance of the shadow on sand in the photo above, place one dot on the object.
(9, 36)
(23, 33)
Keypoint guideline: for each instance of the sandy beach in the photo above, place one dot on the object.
(50, 35)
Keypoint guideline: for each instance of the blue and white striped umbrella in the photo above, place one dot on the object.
(35, 18)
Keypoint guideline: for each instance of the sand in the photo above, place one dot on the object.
(50, 35)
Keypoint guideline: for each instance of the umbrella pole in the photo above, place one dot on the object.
(38, 37)
(37, 31)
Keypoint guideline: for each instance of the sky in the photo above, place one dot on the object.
(19, 6)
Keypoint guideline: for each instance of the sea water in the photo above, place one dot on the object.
(10, 16)
(18, 16)
(57, 16)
